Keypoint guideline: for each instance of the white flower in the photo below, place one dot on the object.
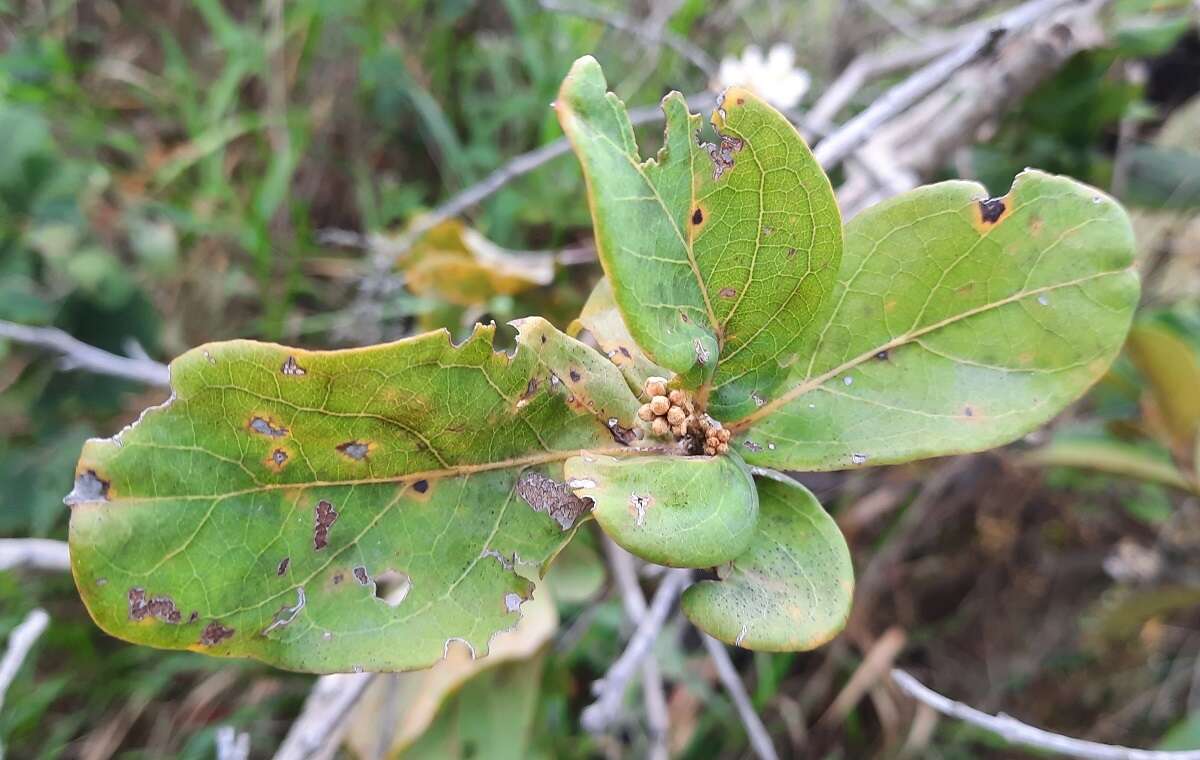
(776, 77)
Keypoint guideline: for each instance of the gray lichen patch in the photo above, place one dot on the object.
(545, 494)
(356, 450)
(88, 487)
(722, 153)
(158, 607)
(263, 426)
(292, 369)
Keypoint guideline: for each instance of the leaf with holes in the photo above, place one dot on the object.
(958, 323)
(264, 510)
(791, 589)
(719, 255)
(675, 511)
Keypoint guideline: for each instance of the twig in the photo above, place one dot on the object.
(20, 641)
(648, 32)
(323, 718)
(653, 695)
(610, 690)
(232, 745)
(760, 740)
(34, 553)
(1016, 732)
(80, 355)
(835, 148)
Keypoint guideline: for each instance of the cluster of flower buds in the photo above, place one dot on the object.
(672, 413)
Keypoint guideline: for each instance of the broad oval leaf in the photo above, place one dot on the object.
(958, 323)
(791, 590)
(675, 511)
(719, 255)
(257, 512)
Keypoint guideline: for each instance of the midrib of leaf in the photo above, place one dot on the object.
(815, 382)
(685, 240)
(453, 471)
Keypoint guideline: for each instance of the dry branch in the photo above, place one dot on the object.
(35, 554)
(1012, 730)
(79, 355)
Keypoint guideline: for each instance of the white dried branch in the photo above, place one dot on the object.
(654, 698)
(79, 355)
(760, 740)
(610, 690)
(35, 554)
(323, 719)
(1014, 731)
(20, 641)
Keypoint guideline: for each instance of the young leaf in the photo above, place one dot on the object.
(791, 590)
(719, 255)
(257, 511)
(675, 511)
(1165, 351)
(958, 323)
(594, 383)
(603, 320)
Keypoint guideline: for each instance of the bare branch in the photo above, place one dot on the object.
(34, 553)
(79, 355)
(654, 698)
(1016, 732)
(20, 641)
(840, 144)
(231, 745)
(610, 690)
(760, 740)
(323, 718)
(647, 32)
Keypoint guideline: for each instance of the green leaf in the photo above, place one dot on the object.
(257, 512)
(959, 323)
(1164, 349)
(603, 320)
(675, 511)
(595, 384)
(720, 255)
(1144, 462)
(791, 590)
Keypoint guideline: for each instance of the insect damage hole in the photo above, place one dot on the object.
(292, 369)
(392, 586)
(263, 426)
(356, 450)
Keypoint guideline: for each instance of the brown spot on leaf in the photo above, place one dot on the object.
(882, 356)
(727, 293)
(697, 216)
(214, 633)
(575, 376)
(263, 426)
(158, 607)
(791, 254)
(625, 352)
(292, 369)
(622, 435)
(991, 209)
(741, 101)
(337, 579)
(421, 486)
(88, 487)
(752, 446)
(324, 515)
(193, 617)
(702, 353)
(356, 450)
(360, 575)
(283, 566)
(545, 494)
(277, 459)
(638, 504)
